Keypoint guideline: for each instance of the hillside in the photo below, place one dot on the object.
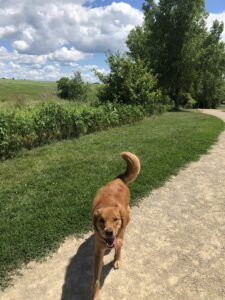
(20, 93)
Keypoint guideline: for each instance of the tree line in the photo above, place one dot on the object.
(188, 60)
(172, 55)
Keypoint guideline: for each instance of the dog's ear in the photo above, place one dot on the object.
(97, 212)
(95, 216)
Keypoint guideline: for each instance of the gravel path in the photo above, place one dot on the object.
(174, 246)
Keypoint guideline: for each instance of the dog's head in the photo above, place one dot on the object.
(108, 221)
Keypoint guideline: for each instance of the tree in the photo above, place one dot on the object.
(136, 42)
(63, 87)
(172, 37)
(129, 82)
(72, 89)
(211, 85)
(140, 41)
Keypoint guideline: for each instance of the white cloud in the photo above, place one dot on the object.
(20, 45)
(58, 33)
(61, 56)
(42, 67)
(43, 27)
(6, 30)
(3, 53)
(67, 55)
(2, 65)
(220, 17)
(14, 56)
(14, 66)
(35, 72)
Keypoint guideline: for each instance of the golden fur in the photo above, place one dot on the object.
(110, 214)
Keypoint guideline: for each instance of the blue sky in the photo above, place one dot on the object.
(49, 39)
(214, 6)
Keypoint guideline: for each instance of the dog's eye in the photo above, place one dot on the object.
(115, 219)
(101, 220)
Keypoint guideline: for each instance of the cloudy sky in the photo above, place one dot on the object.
(44, 40)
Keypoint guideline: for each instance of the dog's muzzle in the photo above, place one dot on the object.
(110, 242)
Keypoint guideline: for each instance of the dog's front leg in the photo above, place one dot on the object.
(98, 262)
(116, 264)
(118, 246)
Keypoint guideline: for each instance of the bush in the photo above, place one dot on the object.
(63, 87)
(188, 101)
(49, 122)
(72, 89)
(129, 82)
(10, 141)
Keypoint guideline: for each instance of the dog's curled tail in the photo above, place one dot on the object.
(133, 167)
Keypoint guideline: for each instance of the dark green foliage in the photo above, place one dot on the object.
(50, 122)
(187, 59)
(137, 43)
(72, 89)
(46, 193)
(129, 82)
(63, 87)
(210, 86)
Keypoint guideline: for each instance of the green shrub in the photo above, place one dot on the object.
(72, 89)
(49, 122)
(188, 101)
(63, 87)
(10, 141)
(129, 82)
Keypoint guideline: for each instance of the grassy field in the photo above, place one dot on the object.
(17, 93)
(46, 193)
(20, 93)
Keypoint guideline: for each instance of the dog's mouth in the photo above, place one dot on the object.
(110, 242)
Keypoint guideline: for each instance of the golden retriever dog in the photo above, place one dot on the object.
(110, 215)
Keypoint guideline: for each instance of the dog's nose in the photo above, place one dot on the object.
(109, 232)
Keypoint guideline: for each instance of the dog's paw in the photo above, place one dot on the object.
(117, 264)
(96, 291)
(96, 296)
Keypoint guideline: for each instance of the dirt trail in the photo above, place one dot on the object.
(174, 246)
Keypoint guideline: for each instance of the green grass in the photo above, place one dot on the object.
(46, 193)
(21, 93)
(18, 93)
